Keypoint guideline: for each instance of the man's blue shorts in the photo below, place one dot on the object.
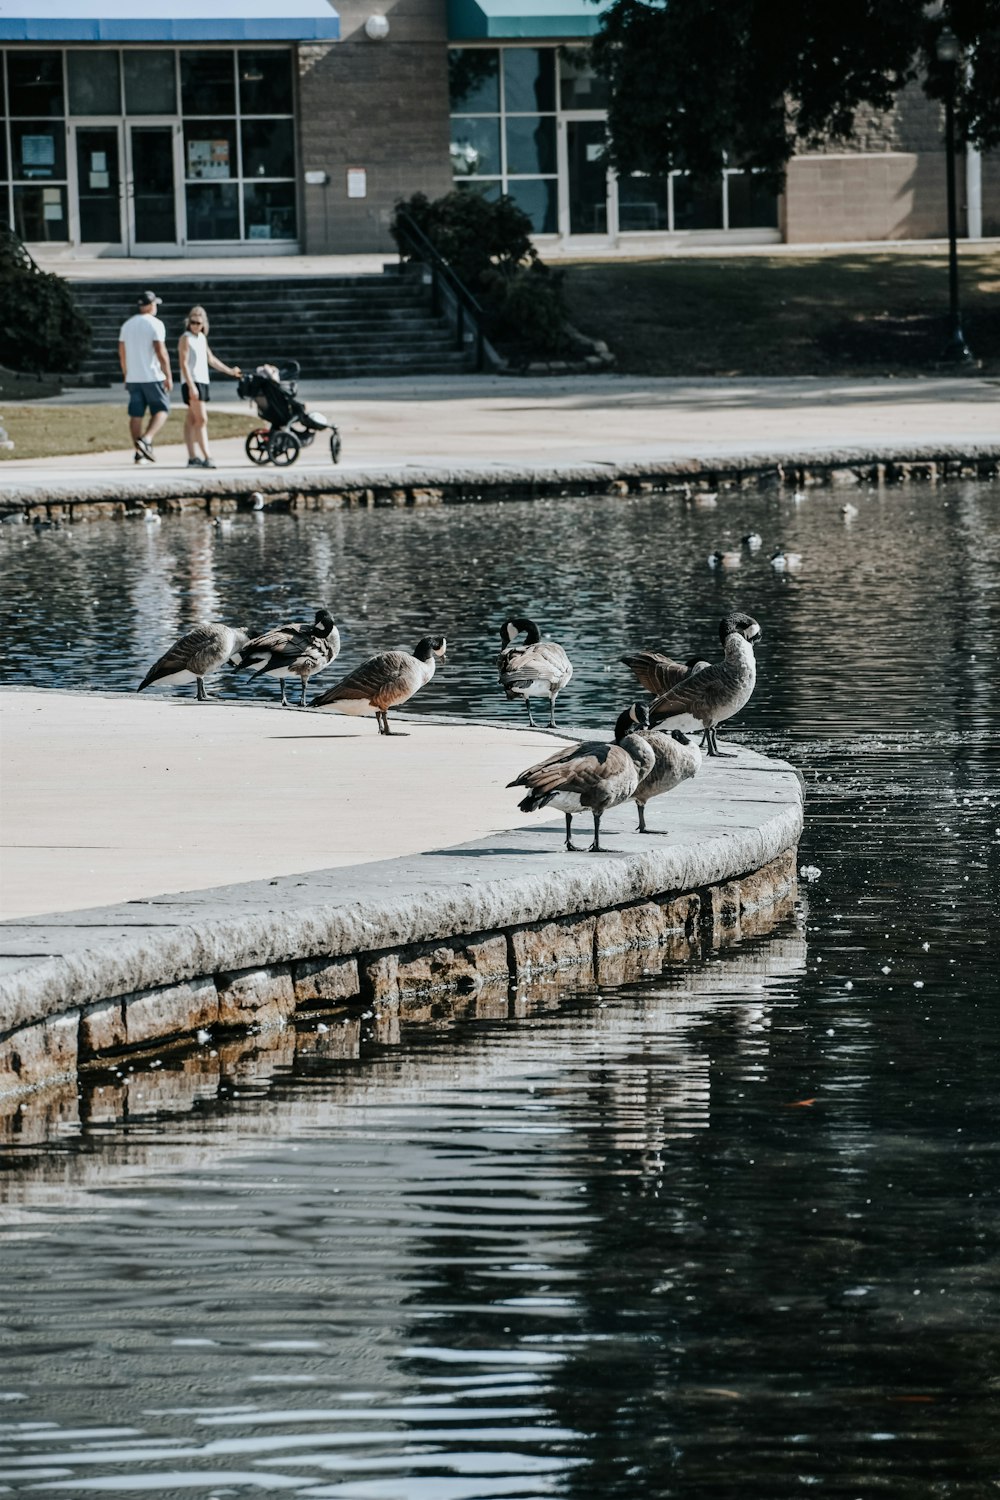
(151, 393)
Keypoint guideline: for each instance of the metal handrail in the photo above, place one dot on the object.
(466, 305)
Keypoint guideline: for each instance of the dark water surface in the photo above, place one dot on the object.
(729, 1233)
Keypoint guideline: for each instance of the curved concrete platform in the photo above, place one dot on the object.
(348, 868)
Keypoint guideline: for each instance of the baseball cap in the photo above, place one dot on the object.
(145, 298)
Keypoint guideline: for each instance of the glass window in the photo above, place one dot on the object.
(210, 149)
(579, 86)
(150, 83)
(268, 148)
(751, 206)
(208, 83)
(474, 80)
(529, 80)
(93, 83)
(475, 147)
(38, 148)
(643, 203)
(540, 201)
(697, 204)
(213, 211)
(269, 210)
(265, 82)
(4, 174)
(36, 83)
(491, 191)
(531, 144)
(40, 213)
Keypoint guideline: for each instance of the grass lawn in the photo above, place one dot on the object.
(50, 431)
(871, 313)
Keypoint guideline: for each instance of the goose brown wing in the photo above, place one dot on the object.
(373, 679)
(578, 768)
(274, 646)
(693, 695)
(655, 671)
(196, 652)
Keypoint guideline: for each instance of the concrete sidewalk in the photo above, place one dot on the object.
(489, 422)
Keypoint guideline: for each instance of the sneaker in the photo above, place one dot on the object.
(145, 447)
(207, 463)
(196, 463)
(139, 459)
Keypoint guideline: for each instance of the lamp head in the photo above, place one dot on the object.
(947, 46)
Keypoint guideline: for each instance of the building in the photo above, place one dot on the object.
(276, 126)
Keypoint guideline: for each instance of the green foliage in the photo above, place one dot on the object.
(41, 328)
(693, 78)
(487, 242)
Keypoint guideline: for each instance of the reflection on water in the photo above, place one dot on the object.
(726, 1232)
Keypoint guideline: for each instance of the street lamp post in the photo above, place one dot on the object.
(956, 351)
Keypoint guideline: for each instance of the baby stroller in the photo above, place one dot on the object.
(275, 395)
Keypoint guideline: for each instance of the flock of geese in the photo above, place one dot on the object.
(650, 752)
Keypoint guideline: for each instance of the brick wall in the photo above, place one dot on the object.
(991, 192)
(896, 195)
(378, 105)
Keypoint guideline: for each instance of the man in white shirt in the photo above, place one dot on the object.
(142, 354)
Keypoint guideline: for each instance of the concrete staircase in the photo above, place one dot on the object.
(335, 326)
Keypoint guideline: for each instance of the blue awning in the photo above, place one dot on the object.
(168, 21)
(477, 20)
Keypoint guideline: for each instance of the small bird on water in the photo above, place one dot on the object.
(385, 681)
(717, 692)
(195, 655)
(593, 776)
(531, 668)
(295, 650)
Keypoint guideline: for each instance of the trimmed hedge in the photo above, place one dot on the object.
(41, 328)
(488, 244)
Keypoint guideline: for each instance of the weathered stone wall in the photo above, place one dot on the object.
(63, 504)
(380, 105)
(393, 983)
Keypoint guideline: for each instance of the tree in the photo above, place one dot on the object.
(41, 327)
(693, 78)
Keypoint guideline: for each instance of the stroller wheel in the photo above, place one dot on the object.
(335, 445)
(256, 446)
(305, 435)
(283, 447)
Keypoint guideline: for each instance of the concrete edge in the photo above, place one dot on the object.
(415, 485)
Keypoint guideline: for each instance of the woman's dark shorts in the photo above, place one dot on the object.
(203, 392)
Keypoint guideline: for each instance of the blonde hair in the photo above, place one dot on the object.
(197, 312)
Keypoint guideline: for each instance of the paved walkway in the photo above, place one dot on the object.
(489, 422)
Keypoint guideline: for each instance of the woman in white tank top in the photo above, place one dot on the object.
(195, 359)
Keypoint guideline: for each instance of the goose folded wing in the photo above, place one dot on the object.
(371, 679)
(689, 696)
(579, 768)
(541, 663)
(198, 651)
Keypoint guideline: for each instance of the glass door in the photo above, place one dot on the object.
(98, 155)
(585, 177)
(154, 217)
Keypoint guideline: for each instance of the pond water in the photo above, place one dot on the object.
(731, 1232)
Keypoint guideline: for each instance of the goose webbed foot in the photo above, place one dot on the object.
(202, 695)
(284, 700)
(527, 704)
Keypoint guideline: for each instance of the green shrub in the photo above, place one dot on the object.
(41, 327)
(488, 244)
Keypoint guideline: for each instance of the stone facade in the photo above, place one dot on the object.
(378, 105)
(395, 987)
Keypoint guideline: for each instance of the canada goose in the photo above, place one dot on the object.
(782, 561)
(594, 775)
(294, 650)
(385, 681)
(676, 759)
(199, 652)
(717, 692)
(657, 672)
(531, 668)
(753, 541)
(724, 560)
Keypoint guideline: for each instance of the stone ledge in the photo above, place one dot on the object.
(398, 985)
(754, 469)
